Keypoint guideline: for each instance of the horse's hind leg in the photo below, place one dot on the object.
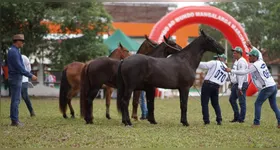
(150, 96)
(109, 91)
(72, 94)
(126, 97)
(136, 95)
(89, 105)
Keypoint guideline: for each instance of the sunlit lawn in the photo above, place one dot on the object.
(49, 129)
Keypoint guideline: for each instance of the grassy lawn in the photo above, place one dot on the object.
(48, 129)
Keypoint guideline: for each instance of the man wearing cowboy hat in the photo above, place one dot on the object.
(264, 82)
(215, 77)
(16, 70)
(239, 86)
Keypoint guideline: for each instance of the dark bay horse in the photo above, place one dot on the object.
(104, 71)
(140, 72)
(71, 78)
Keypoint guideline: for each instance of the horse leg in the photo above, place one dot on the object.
(71, 94)
(184, 94)
(136, 96)
(150, 96)
(88, 111)
(125, 113)
(109, 91)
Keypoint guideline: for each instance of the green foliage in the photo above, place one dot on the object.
(22, 17)
(25, 17)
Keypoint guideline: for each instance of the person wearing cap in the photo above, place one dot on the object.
(16, 70)
(215, 77)
(239, 86)
(265, 84)
(251, 47)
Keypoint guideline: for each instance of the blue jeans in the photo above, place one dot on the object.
(242, 101)
(15, 85)
(143, 105)
(25, 97)
(266, 93)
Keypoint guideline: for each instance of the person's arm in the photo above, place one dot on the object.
(28, 65)
(251, 69)
(15, 61)
(240, 78)
(206, 65)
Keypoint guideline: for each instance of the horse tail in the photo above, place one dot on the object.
(63, 92)
(120, 86)
(85, 85)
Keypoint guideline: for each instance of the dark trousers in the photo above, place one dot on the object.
(242, 101)
(25, 97)
(15, 85)
(210, 91)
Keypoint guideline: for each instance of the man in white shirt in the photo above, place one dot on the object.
(239, 86)
(264, 82)
(215, 77)
(24, 89)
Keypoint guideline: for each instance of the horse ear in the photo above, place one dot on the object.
(120, 44)
(202, 32)
(165, 39)
(146, 37)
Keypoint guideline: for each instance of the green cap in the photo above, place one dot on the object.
(215, 57)
(238, 49)
(222, 56)
(254, 53)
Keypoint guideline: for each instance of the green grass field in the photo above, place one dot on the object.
(48, 129)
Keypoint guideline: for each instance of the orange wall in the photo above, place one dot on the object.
(140, 29)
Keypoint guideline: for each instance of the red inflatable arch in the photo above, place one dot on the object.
(208, 15)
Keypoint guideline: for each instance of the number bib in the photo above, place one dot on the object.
(262, 77)
(220, 75)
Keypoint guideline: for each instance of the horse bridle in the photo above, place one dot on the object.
(121, 52)
(171, 46)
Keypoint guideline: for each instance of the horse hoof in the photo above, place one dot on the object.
(65, 116)
(73, 117)
(135, 118)
(185, 124)
(108, 116)
(152, 121)
(89, 122)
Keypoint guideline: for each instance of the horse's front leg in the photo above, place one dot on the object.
(136, 96)
(109, 91)
(184, 94)
(150, 96)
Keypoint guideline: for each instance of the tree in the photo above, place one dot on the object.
(89, 17)
(22, 17)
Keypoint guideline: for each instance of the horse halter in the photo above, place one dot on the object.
(171, 46)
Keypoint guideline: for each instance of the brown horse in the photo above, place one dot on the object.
(71, 78)
(104, 71)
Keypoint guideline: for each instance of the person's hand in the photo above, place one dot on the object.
(248, 44)
(228, 70)
(34, 78)
(240, 92)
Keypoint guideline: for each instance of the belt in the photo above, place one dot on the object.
(210, 82)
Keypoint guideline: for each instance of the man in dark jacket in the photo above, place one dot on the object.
(16, 71)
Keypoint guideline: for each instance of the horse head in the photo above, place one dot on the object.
(147, 46)
(211, 44)
(123, 51)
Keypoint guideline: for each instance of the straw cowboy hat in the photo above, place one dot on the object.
(18, 37)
